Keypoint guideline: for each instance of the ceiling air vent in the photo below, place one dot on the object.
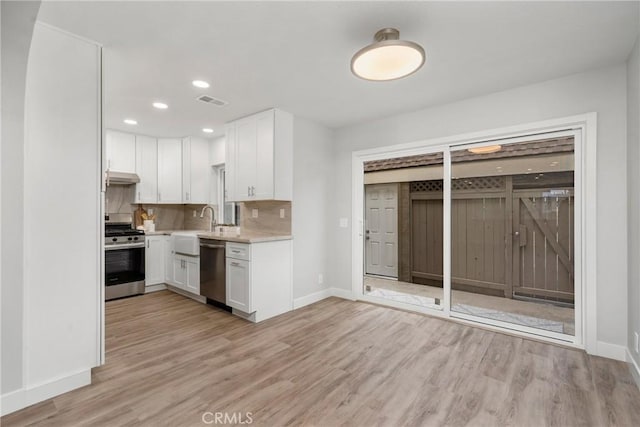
(211, 100)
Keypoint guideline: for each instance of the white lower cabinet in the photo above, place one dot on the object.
(186, 273)
(154, 256)
(168, 260)
(259, 279)
(239, 285)
(192, 265)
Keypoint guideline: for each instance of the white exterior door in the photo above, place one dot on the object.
(381, 233)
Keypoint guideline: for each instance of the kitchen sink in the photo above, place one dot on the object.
(186, 242)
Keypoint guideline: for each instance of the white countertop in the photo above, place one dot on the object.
(243, 237)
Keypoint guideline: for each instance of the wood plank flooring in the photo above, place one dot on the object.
(334, 363)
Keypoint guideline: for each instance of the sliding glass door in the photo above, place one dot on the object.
(403, 212)
(486, 232)
(512, 234)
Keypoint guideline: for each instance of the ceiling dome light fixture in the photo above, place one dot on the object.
(388, 57)
(160, 105)
(200, 83)
(130, 121)
(207, 130)
(485, 150)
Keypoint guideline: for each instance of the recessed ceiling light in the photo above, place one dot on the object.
(160, 105)
(200, 83)
(485, 150)
(130, 121)
(207, 130)
(387, 58)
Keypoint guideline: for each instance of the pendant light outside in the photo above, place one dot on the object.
(485, 150)
(388, 57)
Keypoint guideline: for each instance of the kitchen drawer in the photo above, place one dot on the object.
(239, 251)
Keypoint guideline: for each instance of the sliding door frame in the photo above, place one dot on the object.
(583, 127)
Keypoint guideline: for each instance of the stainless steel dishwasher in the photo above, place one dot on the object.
(212, 270)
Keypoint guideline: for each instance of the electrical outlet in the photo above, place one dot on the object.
(636, 343)
(194, 213)
(281, 213)
(150, 211)
(344, 222)
(320, 278)
(254, 213)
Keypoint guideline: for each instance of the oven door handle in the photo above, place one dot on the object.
(126, 246)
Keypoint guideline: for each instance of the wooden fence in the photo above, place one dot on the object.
(509, 235)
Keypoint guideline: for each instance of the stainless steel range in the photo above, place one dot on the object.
(124, 257)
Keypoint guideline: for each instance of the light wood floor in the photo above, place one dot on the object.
(334, 363)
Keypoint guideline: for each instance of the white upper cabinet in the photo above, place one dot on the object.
(259, 157)
(120, 150)
(230, 156)
(169, 171)
(147, 169)
(195, 171)
(217, 151)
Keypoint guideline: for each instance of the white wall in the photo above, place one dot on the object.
(62, 184)
(633, 180)
(602, 91)
(312, 165)
(17, 27)
(62, 140)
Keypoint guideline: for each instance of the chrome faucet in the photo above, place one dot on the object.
(213, 217)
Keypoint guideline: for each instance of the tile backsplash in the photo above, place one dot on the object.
(268, 220)
(197, 223)
(120, 199)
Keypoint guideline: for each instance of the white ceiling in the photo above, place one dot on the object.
(296, 56)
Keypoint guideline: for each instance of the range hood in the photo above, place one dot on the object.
(121, 178)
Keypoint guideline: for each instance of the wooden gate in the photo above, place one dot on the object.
(506, 238)
(543, 259)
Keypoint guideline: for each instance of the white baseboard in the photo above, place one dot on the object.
(320, 295)
(342, 293)
(311, 298)
(198, 298)
(634, 368)
(155, 288)
(18, 399)
(611, 351)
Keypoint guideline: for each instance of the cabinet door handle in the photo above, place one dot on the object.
(187, 195)
(147, 244)
(235, 264)
(253, 191)
(138, 195)
(248, 191)
(159, 196)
